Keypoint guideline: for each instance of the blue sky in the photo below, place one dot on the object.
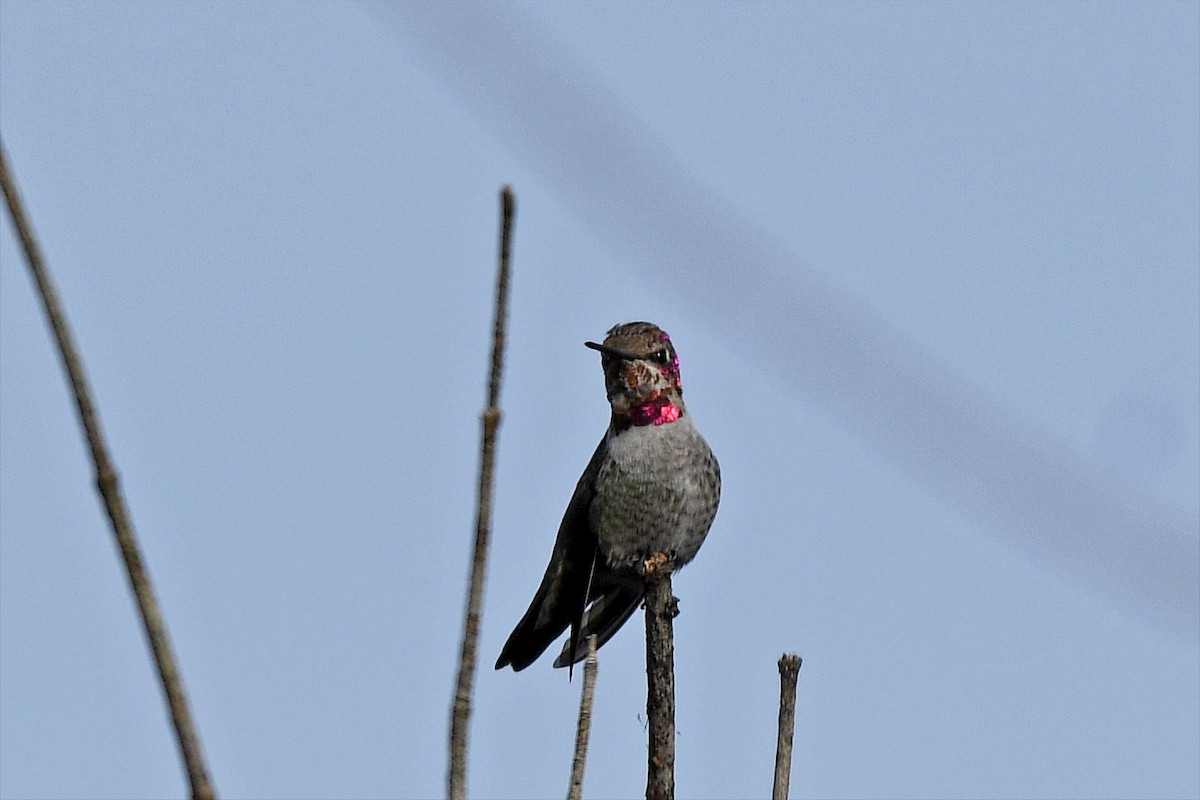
(933, 271)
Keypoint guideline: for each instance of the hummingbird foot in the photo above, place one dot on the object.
(657, 563)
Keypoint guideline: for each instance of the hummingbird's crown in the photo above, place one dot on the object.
(641, 375)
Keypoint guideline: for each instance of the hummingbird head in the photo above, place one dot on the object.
(641, 375)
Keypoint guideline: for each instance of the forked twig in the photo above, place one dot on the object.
(789, 674)
(108, 484)
(461, 712)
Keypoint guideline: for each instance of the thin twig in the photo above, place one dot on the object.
(461, 713)
(660, 683)
(108, 484)
(575, 792)
(789, 674)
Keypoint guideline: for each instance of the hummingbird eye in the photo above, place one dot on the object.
(661, 357)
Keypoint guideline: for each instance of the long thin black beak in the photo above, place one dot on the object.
(611, 351)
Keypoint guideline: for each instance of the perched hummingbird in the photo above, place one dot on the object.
(651, 488)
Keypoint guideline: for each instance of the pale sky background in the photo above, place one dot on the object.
(933, 271)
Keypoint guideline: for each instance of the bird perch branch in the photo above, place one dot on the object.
(660, 679)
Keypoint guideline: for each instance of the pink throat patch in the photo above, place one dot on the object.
(656, 412)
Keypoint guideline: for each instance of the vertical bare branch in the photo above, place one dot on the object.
(789, 674)
(461, 713)
(108, 484)
(575, 791)
(660, 679)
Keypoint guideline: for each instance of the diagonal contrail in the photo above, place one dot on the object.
(927, 419)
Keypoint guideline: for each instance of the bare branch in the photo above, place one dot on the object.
(461, 712)
(789, 674)
(660, 679)
(575, 792)
(108, 484)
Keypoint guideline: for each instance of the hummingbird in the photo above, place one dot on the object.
(651, 490)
